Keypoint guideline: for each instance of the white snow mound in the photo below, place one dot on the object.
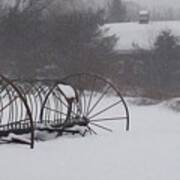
(67, 90)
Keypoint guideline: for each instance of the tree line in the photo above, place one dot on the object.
(154, 72)
(36, 41)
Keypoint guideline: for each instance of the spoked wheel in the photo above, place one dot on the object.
(100, 105)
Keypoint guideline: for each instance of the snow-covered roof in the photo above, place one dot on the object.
(134, 35)
(67, 90)
(143, 12)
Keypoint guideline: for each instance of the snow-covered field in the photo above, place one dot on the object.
(150, 151)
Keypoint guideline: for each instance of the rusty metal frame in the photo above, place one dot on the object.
(39, 91)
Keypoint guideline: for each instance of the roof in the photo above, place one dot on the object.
(134, 35)
(143, 12)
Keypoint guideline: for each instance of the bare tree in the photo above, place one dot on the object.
(34, 42)
(22, 42)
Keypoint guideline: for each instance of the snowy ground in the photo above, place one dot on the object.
(150, 151)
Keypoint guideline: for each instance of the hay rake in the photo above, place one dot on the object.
(77, 104)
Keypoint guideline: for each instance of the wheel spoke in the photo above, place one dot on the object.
(90, 98)
(9, 103)
(63, 102)
(60, 99)
(109, 119)
(78, 84)
(84, 97)
(99, 100)
(100, 126)
(79, 104)
(105, 109)
(82, 101)
(92, 130)
(54, 110)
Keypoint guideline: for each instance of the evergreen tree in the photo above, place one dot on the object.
(166, 59)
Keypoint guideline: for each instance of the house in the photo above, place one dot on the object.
(135, 56)
(133, 36)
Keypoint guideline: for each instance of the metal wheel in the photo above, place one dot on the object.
(99, 106)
